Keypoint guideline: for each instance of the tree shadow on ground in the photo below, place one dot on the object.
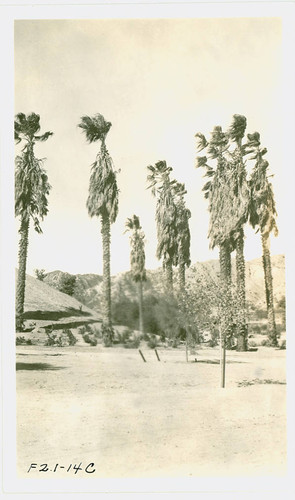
(215, 361)
(37, 366)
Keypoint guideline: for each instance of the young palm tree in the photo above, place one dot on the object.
(263, 215)
(241, 207)
(166, 216)
(102, 202)
(31, 191)
(137, 260)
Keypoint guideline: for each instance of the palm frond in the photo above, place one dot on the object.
(43, 137)
(95, 128)
(237, 127)
(201, 161)
(202, 142)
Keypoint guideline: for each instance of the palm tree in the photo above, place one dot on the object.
(183, 214)
(137, 260)
(219, 192)
(241, 207)
(166, 216)
(263, 214)
(31, 191)
(102, 202)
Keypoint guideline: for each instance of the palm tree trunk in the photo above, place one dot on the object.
(21, 279)
(226, 316)
(140, 304)
(272, 331)
(106, 301)
(225, 282)
(169, 277)
(242, 327)
(181, 275)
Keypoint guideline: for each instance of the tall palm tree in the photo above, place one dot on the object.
(137, 260)
(166, 215)
(263, 215)
(241, 207)
(31, 191)
(219, 192)
(102, 202)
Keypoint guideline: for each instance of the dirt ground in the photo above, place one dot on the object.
(105, 406)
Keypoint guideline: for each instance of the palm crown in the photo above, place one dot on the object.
(31, 180)
(166, 212)
(103, 191)
(137, 255)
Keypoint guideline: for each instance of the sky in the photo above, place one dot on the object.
(158, 81)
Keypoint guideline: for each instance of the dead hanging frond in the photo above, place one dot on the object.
(262, 203)
(31, 181)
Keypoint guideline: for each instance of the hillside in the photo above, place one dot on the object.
(46, 303)
(89, 286)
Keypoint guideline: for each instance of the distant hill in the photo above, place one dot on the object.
(89, 286)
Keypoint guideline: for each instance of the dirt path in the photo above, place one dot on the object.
(135, 419)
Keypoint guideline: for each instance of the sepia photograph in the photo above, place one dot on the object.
(150, 235)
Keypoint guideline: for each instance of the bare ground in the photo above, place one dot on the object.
(104, 406)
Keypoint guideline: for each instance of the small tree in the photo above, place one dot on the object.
(67, 284)
(40, 274)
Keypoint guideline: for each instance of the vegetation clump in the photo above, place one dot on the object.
(23, 341)
(66, 338)
(89, 335)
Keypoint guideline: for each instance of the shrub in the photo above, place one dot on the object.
(132, 344)
(88, 329)
(214, 340)
(89, 339)
(125, 336)
(71, 337)
(252, 343)
(20, 341)
(258, 329)
(283, 345)
(96, 331)
(175, 343)
(152, 343)
(265, 343)
(108, 335)
(82, 330)
(40, 274)
(54, 340)
(51, 339)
